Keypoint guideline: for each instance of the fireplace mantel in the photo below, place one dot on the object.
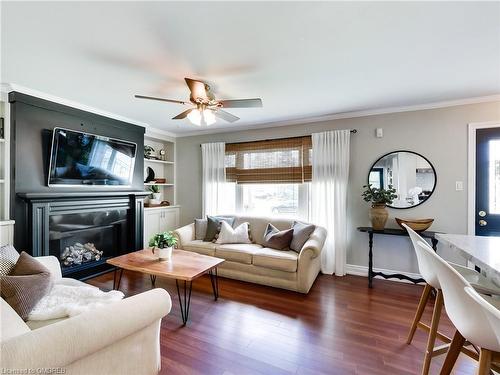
(40, 207)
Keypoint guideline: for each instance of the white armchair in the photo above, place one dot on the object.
(119, 338)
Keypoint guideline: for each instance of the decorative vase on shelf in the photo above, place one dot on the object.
(378, 216)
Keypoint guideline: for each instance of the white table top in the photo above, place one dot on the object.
(480, 250)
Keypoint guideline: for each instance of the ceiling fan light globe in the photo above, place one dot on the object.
(195, 117)
(209, 117)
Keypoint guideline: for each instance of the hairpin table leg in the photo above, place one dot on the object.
(185, 302)
(214, 279)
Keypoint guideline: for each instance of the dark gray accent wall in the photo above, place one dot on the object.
(32, 122)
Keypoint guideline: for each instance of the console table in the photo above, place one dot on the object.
(392, 232)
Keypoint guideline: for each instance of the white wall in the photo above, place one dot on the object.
(438, 134)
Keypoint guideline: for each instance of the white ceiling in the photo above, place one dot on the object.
(302, 59)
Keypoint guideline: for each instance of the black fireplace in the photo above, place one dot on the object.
(84, 230)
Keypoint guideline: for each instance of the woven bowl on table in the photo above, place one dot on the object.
(418, 225)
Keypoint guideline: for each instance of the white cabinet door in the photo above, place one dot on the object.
(152, 219)
(159, 220)
(170, 219)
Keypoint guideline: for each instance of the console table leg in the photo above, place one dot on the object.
(370, 259)
(185, 302)
(214, 279)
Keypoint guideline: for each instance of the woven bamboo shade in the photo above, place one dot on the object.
(286, 160)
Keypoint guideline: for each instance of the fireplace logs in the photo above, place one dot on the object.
(78, 254)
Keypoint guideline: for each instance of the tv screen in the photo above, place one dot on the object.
(83, 159)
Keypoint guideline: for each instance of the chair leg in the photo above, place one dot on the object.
(436, 315)
(452, 354)
(484, 362)
(420, 310)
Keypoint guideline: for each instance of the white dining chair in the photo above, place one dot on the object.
(432, 283)
(475, 317)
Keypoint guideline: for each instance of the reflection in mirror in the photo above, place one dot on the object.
(412, 175)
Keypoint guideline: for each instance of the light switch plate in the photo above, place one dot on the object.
(459, 185)
(379, 132)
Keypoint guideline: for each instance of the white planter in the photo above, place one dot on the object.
(163, 254)
(156, 196)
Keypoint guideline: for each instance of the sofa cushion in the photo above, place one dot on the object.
(8, 259)
(200, 228)
(258, 225)
(27, 283)
(276, 259)
(11, 324)
(238, 235)
(200, 247)
(277, 239)
(301, 233)
(241, 253)
(213, 226)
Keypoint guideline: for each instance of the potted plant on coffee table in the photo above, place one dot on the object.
(379, 198)
(164, 242)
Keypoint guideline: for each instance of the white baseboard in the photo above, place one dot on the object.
(354, 269)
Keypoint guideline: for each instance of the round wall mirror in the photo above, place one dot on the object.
(411, 174)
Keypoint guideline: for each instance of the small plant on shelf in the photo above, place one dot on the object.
(163, 240)
(155, 189)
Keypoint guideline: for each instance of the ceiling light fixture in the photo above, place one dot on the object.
(209, 117)
(195, 117)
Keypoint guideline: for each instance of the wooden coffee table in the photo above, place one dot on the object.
(184, 267)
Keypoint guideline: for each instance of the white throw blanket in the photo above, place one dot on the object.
(65, 300)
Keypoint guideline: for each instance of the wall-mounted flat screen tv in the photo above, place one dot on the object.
(83, 159)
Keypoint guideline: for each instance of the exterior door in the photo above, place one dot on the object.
(487, 213)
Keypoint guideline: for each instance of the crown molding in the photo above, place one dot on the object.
(5, 88)
(348, 115)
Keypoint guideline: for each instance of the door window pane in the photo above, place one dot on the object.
(494, 176)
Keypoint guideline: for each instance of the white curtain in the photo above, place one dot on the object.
(214, 177)
(330, 172)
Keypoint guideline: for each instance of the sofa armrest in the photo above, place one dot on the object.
(52, 263)
(314, 245)
(64, 342)
(184, 234)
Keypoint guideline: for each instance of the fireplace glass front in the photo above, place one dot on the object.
(84, 240)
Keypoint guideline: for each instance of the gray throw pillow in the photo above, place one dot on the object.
(301, 233)
(213, 226)
(8, 259)
(200, 229)
(28, 282)
(277, 239)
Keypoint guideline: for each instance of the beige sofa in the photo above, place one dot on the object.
(120, 338)
(258, 264)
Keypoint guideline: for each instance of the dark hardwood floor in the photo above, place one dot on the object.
(340, 327)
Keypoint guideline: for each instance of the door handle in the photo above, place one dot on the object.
(483, 223)
(482, 213)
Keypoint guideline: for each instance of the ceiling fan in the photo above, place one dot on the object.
(205, 106)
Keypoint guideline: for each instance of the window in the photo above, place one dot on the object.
(271, 178)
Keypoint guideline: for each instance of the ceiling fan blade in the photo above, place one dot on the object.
(241, 103)
(160, 99)
(182, 115)
(226, 116)
(197, 88)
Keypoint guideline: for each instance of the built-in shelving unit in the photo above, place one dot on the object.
(164, 168)
(4, 157)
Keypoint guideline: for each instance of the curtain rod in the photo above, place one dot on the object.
(353, 131)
